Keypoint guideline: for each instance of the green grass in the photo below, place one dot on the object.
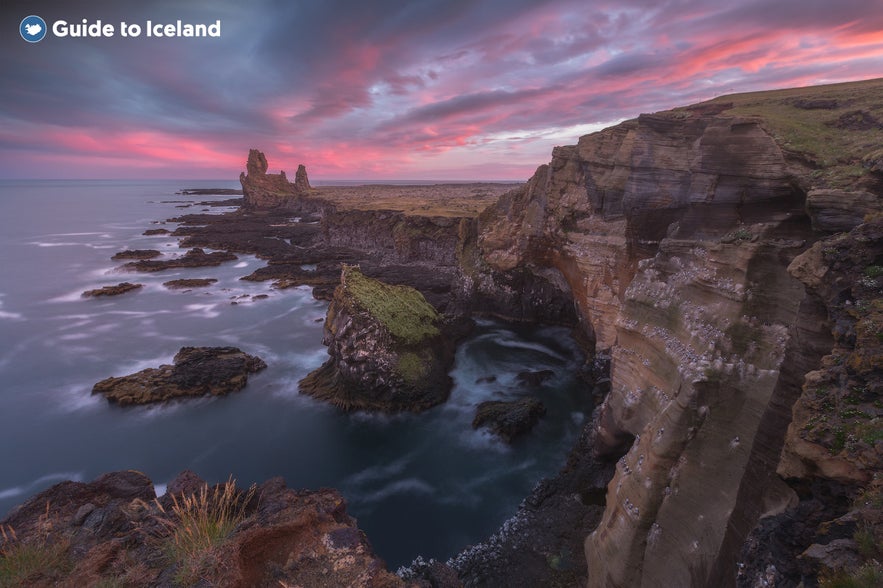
(197, 525)
(814, 133)
(869, 575)
(402, 310)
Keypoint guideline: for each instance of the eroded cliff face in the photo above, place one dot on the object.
(672, 236)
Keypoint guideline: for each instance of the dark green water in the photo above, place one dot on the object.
(418, 484)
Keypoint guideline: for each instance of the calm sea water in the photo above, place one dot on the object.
(419, 484)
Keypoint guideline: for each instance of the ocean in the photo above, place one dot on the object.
(425, 484)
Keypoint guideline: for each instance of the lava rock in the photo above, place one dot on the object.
(189, 283)
(509, 419)
(120, 288)
(194, 258)
(197, 371)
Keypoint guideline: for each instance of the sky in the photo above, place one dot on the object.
(419, 89)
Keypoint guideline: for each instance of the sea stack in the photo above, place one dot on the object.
(387, 350)
(263, 190)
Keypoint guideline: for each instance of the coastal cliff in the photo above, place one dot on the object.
(672, 235)
(723, 261)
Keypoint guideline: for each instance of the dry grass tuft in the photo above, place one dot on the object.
(198, 524)
(41, 559)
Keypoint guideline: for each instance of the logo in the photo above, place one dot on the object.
(32, 29)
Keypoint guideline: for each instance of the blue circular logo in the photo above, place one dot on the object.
(32, 29)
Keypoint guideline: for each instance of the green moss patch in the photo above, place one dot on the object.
(412, 368)
(401, 309)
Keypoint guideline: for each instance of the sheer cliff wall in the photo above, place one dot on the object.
(669, 237)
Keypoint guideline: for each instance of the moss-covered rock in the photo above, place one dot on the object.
(387, 349)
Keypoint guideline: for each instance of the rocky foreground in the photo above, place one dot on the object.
(115, 531)
(723, 262)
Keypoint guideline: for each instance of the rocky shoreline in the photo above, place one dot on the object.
(731, 294)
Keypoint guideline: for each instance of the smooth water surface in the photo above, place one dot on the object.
(419, 484)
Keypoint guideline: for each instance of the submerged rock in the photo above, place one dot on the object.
(197, 371)
(120, 288)
(189, 283)
(387, 350)
(509, 419)
(534, 378)
(137, 254)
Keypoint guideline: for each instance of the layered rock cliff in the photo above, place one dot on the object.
(672, 235)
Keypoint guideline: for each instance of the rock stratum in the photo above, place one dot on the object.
(696, 248)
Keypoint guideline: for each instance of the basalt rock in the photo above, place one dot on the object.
(197, 371)
(388, 352)
(508, 419)
(193, 258)
(116, 290)
(137, 254)
(114, 531)
(267, 191)
(189, 283)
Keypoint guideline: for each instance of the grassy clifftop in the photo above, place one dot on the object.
(836, 129)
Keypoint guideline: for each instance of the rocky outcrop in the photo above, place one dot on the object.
(839, 210)
(115, 531)
(263, 190)
(386, 346)
(193, 258)
(197, 371)
(508, 419)
(136, 254)
(116, 290)
(185, 283)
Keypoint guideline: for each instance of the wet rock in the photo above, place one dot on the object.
(508, 419)
(387, 350)
(209, 192)
(150, 232)
(189, 283)
(197, 371)
(120, 288)
(534, 378)
(193, 258)
(137, 254)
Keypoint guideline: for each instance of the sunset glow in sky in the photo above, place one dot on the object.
(441, 89)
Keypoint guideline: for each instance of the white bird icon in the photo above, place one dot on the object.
(33, 29)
